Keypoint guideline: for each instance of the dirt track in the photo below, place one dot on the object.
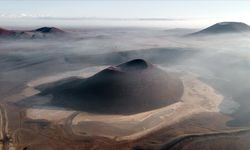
(185, 138)
(4, 128)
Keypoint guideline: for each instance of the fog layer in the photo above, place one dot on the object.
(221, 60)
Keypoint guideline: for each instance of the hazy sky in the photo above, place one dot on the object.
(176, 9)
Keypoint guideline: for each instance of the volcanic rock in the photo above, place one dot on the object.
(131, 87)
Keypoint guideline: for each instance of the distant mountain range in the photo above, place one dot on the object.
(223, 28)
(41, 33)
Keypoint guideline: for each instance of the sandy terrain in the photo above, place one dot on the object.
(50, 114)
(198, 97)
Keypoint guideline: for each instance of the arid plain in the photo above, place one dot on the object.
(125, 88)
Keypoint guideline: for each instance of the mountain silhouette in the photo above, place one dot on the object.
(41, 33)
(224, 27)
(49, 30)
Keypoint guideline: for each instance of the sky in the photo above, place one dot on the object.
(203, 11)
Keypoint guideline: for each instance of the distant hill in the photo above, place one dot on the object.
(6, 33)
(223, 28)
(51, 30)
(41, 33)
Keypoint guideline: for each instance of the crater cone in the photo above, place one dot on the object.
(132, 87)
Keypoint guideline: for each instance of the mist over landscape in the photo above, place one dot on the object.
(134, 81)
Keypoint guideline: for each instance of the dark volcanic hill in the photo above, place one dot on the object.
(41, 33)
(131, 87)
(6, 33)
(50, 30)
(224, 27)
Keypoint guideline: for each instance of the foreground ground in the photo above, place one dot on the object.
(157, 129)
